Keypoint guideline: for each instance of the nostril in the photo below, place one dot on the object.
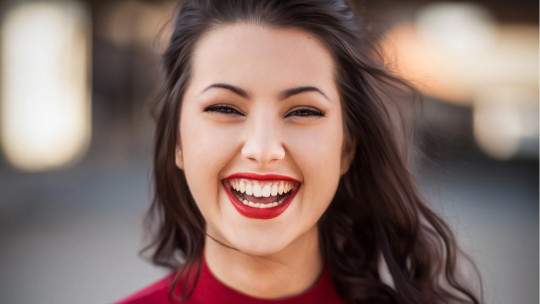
(263, 152)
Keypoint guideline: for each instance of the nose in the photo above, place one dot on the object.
(263, 143)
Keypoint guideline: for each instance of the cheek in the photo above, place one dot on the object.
(318, 157)
(206, 151)
(319, 149)
(206, 145)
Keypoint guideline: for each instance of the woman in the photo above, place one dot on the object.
(279, 176)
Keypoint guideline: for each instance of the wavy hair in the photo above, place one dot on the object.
(377, 216)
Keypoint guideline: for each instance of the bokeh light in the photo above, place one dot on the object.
(45, 97)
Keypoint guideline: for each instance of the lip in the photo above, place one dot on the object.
(256, 176)
(260, 213)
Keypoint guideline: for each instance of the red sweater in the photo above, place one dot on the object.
(210, 290)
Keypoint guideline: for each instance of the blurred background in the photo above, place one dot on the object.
(77, 80)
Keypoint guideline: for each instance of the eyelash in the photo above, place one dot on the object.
(223, 109)
(230, 110)
(305, 112)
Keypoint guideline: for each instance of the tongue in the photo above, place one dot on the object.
(262, 200)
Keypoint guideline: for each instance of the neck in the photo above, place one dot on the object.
(291, 271)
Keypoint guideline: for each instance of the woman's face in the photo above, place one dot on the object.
(261, 135)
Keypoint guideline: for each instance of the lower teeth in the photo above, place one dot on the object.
(280, 200)
(259, 205)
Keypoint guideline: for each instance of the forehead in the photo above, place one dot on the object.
(246, 53)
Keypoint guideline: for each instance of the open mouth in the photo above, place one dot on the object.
(261, 194)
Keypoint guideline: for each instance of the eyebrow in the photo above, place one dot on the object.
(283, 95)
(236, 90)
(294, 91)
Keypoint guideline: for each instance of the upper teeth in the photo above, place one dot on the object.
(259, 188)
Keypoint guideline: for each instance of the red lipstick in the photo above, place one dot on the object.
(256, 176)
(255, 212)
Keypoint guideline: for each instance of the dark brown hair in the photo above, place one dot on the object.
(377, 215)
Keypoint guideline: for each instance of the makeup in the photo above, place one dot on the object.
(260, 196)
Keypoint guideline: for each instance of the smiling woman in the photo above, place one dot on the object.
(278, 173)
(263, 129)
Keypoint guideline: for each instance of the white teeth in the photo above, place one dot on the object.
(261, 188)
(257, 190)
(266, 191)
(287, 187)
(274, 189)
(259, 205)
(242, 187)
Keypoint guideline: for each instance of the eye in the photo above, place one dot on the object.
(305, 112)
(223, 109)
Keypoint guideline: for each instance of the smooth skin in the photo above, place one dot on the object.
(262, 100)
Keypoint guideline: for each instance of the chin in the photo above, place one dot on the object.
(261, 251)
(258, 245)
